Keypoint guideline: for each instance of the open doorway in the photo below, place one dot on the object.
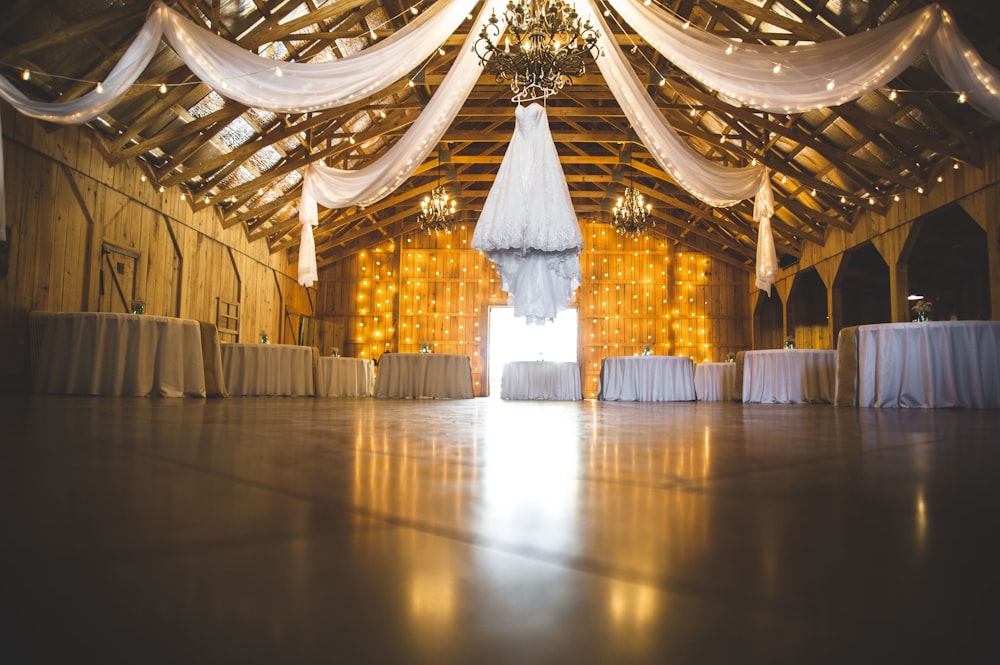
(512, 339)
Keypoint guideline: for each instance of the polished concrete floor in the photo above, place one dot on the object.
(294, 530)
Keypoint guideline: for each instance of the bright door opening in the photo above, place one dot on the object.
(512, 339)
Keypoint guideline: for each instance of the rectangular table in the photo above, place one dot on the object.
(103, 353)
(540, 379)
(715, 382)
(345, 377)
(434, 375)
(269, 369)
(647, 379)
(789, 376)
(934, 364)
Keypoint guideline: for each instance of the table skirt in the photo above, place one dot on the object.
(789, 376)
(539, 379)
(715, 382)
(104, 353)
(345, 377)
(647, 379)
(935, 364)
(269, 369)
(434, 375)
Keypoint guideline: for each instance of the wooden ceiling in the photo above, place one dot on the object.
(828, 165)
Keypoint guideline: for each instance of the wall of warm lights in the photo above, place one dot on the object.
(436, 290)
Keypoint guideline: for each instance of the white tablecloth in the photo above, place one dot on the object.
(99, 353)
(647, 379)
(269, 369)
(345, 377)
(935, 364)
(715, 382)
(789, 376)
(438, 375)
(539, 379)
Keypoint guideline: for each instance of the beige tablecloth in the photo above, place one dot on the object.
(535, 379)
(439, 375)
(935, 364)
(647, 379)
(100, 353)
(269, 369)
(345, 377)
(789, 376)
(715, 382)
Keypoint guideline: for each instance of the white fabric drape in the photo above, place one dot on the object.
(298, 87)
(710, 182)
(308, 270)
(812, 76)
(339, 188)
(248, 78)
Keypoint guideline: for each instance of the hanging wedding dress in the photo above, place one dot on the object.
(528, 228)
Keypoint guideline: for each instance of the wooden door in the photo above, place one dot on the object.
(118, 266)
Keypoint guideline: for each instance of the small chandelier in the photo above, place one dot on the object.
(631, 218)
(546, 46)
(437, 211)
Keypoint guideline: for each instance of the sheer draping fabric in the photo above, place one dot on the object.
(813, 76)
(308, 269)
(339, 188)
(708, 181)
(257, 81)
(528, 227)
(300, 87)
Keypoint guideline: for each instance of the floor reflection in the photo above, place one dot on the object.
(530, 478)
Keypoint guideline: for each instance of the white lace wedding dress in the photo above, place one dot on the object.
(528, 228)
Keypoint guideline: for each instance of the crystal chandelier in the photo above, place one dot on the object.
(631, 217)
(437, 211)
(546, 45)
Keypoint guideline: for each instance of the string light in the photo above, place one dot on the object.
(26, 75)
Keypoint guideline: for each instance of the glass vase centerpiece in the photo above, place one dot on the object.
(264, 337)
(138, 306)
(647, 350)
(922, 311)
(789, 342)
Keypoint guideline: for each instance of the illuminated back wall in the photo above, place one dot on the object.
(437, 290)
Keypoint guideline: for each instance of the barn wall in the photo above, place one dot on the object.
(437, 289)
(976, 190)
(87, 236)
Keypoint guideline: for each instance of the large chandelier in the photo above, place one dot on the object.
(631, 217)
(437, 211)
(545, 46)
